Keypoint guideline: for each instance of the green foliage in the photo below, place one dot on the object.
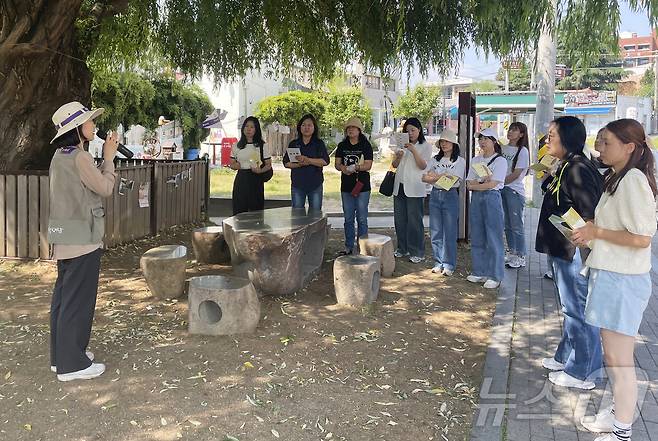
(130, 99)
(483, 86)
(519, 79)
(344, 104)
(601, 78)
(646, 86)
(419, 102)
(288, 107)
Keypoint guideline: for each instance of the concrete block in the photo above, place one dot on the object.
(356, 279)
(220, 305)
(164, 270)
(379, 245)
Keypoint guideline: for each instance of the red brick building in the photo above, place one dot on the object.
(638, 51)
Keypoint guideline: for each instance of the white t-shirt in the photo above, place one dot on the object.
(249, 153)
(410, 175)
(498, 167)
(445, 165)
(523, 162)
(631, 208)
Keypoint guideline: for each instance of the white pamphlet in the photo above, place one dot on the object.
(293, 152)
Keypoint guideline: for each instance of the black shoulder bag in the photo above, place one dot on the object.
(265, 176)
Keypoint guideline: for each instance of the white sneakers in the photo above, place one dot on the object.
(438, 269)
(416, 259)
(89, 354)
(561, 378)
(488, 283)
(551, 364)
(93, 371)
(602, 422)
(399, 253)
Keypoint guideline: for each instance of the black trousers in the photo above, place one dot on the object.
(72, 311)
(248, 192)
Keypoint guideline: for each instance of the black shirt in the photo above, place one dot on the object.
(578, 184)
(308, 177)
(352, 155)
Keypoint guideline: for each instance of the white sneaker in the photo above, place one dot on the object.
(508, 256)
(399, 253)
(438, 268)
(476, 279)
(89, 354)
(93, 371)
(548, 275)
(551, 364)
(602, 422)
(491, 284)
(561, 378)
(416, 259)
(448, 272)
(516, 262)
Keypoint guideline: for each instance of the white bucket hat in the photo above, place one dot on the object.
(448, 135)
(72, 115)
(353, 122)
(487, 132)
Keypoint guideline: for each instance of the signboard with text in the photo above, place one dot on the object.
(588, 97)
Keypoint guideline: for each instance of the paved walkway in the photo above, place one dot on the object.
(517, 402)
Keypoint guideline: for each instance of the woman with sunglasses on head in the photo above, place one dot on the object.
(409, 192)
(444, 202)
(577, 185)
(486, 221)
(619, 265)
(517, 154)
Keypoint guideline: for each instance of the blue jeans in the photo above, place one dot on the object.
(580, 347)
(513, 206)
(444, 221)
(314, 196)
(351, 206)
(409, 229)
(486, 227)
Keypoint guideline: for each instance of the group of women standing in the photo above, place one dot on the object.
(602, 271)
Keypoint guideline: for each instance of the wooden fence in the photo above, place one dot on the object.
(173, 193)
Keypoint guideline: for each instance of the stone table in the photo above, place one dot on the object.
(279, 249)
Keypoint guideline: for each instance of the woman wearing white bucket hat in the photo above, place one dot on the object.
(354, 160)
(76, 229)
(445, 172)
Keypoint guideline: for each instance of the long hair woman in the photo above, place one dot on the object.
(619, 264)
(576, 185)
(409, 192)
(517, 154)
(250, 157)
(306, 174)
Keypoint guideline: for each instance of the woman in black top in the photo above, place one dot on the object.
(354, 160)
(576, 184)
(251, 158)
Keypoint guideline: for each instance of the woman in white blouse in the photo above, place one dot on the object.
(486, 223)
(619, 265)
(409, 191)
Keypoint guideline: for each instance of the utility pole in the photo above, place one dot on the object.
(507, 79)
(655, 92)
(545, 84)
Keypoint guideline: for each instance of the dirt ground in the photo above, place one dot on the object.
(407, 368)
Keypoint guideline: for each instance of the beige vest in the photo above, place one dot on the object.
(77, 216)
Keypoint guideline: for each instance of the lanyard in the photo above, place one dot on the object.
(555, 184)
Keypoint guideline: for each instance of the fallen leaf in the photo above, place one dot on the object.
(7, 375)
(194, 422)
(163, 421)
(27, 427)
(275, 433)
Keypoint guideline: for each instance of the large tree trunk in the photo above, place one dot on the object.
(41, 68)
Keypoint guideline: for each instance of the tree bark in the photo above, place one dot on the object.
(41, 68)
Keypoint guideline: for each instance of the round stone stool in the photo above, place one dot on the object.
(379, 245)
(356, 279)
(209, 245)
(220, 305)
(164, 270)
